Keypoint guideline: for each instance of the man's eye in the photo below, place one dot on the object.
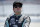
(15, 7)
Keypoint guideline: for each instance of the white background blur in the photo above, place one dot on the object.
(30, 7)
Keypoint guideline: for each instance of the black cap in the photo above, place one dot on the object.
(17, 4)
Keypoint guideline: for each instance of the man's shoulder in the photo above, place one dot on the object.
(25, 16)
(10, 16)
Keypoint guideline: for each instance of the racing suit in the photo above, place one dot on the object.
(17, 21)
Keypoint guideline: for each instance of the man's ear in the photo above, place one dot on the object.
(13, 8)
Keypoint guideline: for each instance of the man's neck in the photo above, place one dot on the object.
(17, 14)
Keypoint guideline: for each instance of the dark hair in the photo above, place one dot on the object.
(17, 3)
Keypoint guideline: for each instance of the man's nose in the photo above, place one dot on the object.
(18, 8)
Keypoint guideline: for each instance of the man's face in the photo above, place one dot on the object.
(17, 9)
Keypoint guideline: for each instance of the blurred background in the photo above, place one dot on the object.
(30, 7)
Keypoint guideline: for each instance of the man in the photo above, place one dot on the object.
(17, 20)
